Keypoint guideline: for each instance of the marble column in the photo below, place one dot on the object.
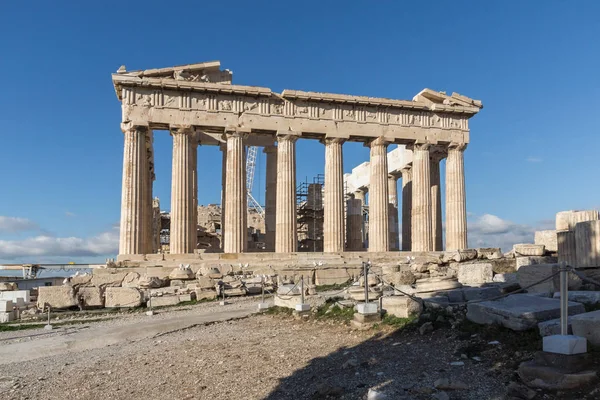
(379, 237)
(361, 196)
(286, 235)
(236, 236)
(422, 234)
(270, 197)
(354, 225)
(333, 209)
(393, 212)
(223, 148)
(456, 205)
(183, 213)
(406, 208)
(133, 192)
(148, 211)
(436, 202)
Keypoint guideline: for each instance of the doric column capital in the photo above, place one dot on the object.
(330, 140)
(393, 176)
(457, 146)
(406, 170)
(287, 136)
(232, 131)
(436, 156)
(423, 146)
(182, 130)
(131, 126)
(380, 141)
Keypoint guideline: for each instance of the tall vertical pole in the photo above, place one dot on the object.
(564, 299)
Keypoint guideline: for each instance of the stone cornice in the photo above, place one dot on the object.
(121, 81)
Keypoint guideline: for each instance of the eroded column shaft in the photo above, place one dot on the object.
(333, 228)
(456, 204)
(134, 191)
(436, 204)
(379, 239)
(270, 197)
(406, 209)
(235, 198)
(393, 212)
(183, 211)
(285, 233)
(422, 235)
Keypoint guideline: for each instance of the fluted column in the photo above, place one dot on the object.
(354, 236)
(456, 204)
(133, 192)
(406, 208)
(393, 212)
(379, 239)
(236, 237)
(194, 217)
(361, 196)
(436, 202)
(183, 214)
(333, 228)
(148, 212)
(223, 148)
(270, 197)
(422, 235)
(286, 235)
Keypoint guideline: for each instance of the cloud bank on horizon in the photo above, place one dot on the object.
(485, 230)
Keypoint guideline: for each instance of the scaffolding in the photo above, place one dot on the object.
(309, 205)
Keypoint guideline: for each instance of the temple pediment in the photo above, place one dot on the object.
(208, 72)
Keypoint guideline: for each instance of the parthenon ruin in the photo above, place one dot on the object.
(199, 105)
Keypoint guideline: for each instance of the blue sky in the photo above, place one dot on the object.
(533, 64)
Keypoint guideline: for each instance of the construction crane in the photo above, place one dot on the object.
(250, 166)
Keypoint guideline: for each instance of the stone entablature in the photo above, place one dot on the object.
(162, 100)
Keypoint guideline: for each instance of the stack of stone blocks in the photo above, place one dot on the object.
(12, 302)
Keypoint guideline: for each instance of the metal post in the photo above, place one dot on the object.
(48, 315)
(564, 299)
(302, 288)
(262, 287)
(366, 275)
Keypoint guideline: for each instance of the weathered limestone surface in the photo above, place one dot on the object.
(91, 297)
(56, 297)
(567, 252)
(534, 260)
(476, 274)
(235, 239)
(529, 249)
(566, 220)
(6, 306)
(587, 244)
(530, 274)
(108, 279)
(120, 297)
(552, 327)
(406, 209)
(183, 209)
(401, 306)
(518, 312)
(456, 205)
(132, 194)
(333, 208)
(270, 197)
(331, 276)
(379, 239)
(583, 297)
(588, 326)
(422, 234)
(548, 239)
(286, 233)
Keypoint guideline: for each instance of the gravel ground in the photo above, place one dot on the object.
(271, 357)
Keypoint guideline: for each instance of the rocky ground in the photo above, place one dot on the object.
(275, 356)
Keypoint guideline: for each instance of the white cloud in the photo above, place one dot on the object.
(16, 224)
(46, 247)
(489, 230)
(533, 159)
(70, 214)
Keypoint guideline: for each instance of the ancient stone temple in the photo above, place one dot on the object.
(199, 105)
